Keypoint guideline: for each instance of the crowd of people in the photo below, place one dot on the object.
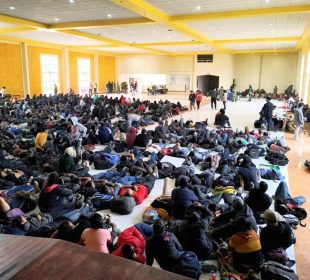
(49, 148)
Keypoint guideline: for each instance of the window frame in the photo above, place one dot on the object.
(84, 89)
(43, 72)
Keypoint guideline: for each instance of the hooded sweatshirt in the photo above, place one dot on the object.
(80, 130)
(298, 117)
(245, 242)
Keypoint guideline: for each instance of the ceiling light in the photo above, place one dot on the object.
(56, 19)
(271, 31)
(221, 27)
(71, 1)
(109, 15)
(267, 1)
(198, 8)
(270, 24)
(12, 8)
(154, 31)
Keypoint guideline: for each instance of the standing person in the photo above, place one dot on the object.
(221, 93)
(198, 98)
(213, 98)
(55, 89)
(298, 119)
(95, 88)
(250, 92)
(266, 113)
(2, 91)
(78, 131)
(224, 99)
(192, 100)
(90, 91)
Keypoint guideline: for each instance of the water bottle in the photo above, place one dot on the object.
(212, 275)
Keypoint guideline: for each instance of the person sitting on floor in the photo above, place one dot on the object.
(142, 139)
(221, 120)
(247, 250)
(259, 200)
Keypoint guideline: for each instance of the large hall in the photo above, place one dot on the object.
(154, 139)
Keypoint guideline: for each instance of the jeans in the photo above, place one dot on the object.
(213, 103)
(296, 132)
(145, 229)
(64, 205)
(269, 124)
(12, 191)
(74, 215)
(283, 192)
(224, 104)
(222, 139)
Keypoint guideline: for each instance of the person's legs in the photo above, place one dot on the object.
(269, 124)
(296, 132)
(4, 206)
(224, 104)
(282, 191)
(145, 229)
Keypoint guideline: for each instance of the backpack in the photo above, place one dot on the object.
(277, 158)
(253, 151)
(257, 124)
(122, 204)
(101, 201)
(271, 174)
(189, 265)
(292, 220)
(276, 271)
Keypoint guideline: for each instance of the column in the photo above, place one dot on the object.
(96, 65)
(66, 70)
(25, 69)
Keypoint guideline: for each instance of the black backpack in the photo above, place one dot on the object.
(189, 265)
(277, 158)
(253, 151)
(276, 271)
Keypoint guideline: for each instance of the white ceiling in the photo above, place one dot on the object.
(123, 50)
(184, 48)
(144, 33)
(266, 26)
(262, 46)
(56, 38)
(178, 7)
(46, 10)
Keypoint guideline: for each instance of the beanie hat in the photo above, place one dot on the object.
(237, 203)
(70, 151)
(271, 217)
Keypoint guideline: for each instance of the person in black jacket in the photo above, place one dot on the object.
(54, 198)
(164, 247)
(277, 234)
(221, 120)
(248, 173)
(266, 113)
(142, 139)
(258, 200)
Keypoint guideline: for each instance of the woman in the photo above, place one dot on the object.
(198, 98)
(247, 250)
(96, 238)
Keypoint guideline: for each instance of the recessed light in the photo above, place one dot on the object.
(56, 19)
(71, 1)
(198, 8)
(270, 24)
(267, 1)
(109, 15)
(221, 27)
(271, 31)
(12, 8)
(154, 31)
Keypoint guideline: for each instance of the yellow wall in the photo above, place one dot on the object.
(34, 65)
(107, 70)
(73, 67)
(11, 74)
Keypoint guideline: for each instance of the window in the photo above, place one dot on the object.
(204, 58)
(83, 75)
(49, 73)
(301, 74)
(306, 90)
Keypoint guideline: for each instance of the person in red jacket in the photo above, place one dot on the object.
(131, 245)
(138, 192)
(198, 98)
(141, 107)
(131, 137)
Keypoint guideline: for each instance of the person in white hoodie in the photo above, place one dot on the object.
(78, 131)
(298, 119)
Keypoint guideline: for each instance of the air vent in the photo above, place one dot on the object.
(205, 58)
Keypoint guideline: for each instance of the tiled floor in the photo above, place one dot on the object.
(244, 113)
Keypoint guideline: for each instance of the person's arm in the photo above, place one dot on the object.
(149, 253)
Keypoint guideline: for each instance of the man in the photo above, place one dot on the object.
(213, 98)
(138, 192)
(2, 91)
(266, 113)
(192, 100)
(250, 92)
(224, 99)
(78, 131)
(298, 119)
(221, 119)
(198, 98)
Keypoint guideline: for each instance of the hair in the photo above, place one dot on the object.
(17, 222)
(246, 162)
(52, 178)
(128, 192)
(128, 251)
(123, 158)
(243, 225)
(159, 226)
(263, 186)
(64, 230)
(300, 105)
(222, 111)
(268, 98)
(88, 184)
(143, 131)
(96, 221)
(182, 181)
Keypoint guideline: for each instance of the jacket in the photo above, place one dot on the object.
(298, 117)
(142, 140)
(139, 195)
(279, 236)
(80, 130)
(182, 198)
(165, 249)
(105, 135)
(266, 111)
(245, 242)
(66, 164)
(258, 201)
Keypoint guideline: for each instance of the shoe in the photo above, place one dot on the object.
(155, 173)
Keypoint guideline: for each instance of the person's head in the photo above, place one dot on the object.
(222, 111)
(271, 217)
(243, 225)
(128, 252)
(143, 131)
(129, 192)
(18, 221)
(182, 181)
(52, 178)
(96, 221)
(159, 226)
(90, 184)
(75, 179)
(300, 105)
(237, 203)
(263, 187)
(70, 151)
(268, 98)
(64, 229)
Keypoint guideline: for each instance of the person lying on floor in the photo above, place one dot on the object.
(131, 242)
(137, 191)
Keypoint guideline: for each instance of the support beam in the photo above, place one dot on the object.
(275, 11)
(169, 43)
(66, 69)
(265, 51)
(258, 40)
(98, 23)
(14, 30)
(22, 22)
(144, 9)
(25, 69)
(96, 65)
(305, 39)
